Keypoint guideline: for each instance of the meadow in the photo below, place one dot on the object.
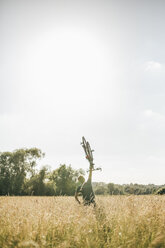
(116, 222)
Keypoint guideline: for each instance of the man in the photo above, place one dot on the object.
(86, 190)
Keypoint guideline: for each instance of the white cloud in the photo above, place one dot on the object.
(153, 66)
(155, 160)
(151, 124)
(149, 113)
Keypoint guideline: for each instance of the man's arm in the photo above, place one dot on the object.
(76, 197)
(77, 193)
(90, 173)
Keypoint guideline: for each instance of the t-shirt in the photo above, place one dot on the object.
(86, 191)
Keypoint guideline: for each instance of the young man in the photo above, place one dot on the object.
(86, 190)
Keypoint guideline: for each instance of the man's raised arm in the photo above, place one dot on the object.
(90, 173)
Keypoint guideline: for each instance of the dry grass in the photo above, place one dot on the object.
(117, 222)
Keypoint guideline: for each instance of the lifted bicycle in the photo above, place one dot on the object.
(89, 154)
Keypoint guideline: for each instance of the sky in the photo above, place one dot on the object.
(71, 68)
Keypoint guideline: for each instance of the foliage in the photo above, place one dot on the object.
(125, 189)
(161, 191)
(18, 175)
(65, 179)
(99, 188)
(14, 167)
(38, 185)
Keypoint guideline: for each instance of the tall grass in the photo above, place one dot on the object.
(116, 222)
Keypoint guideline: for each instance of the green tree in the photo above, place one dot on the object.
(100, 190)
(14, 167)
(37, 184)
(161, 191)
(111, 188)
(65, 179)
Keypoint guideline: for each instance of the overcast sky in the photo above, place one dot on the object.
(86, 68)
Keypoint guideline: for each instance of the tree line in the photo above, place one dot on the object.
(19, 176)
(127, 189)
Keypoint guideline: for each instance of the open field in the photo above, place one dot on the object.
(117, 222)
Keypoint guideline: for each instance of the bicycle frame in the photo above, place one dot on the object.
(89, 153)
